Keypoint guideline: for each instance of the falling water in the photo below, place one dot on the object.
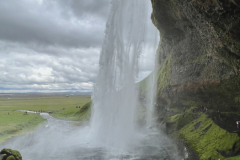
(115, 95)
(112, 133)
(150, 99)
(151, 82)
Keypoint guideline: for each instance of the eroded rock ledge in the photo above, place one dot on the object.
(199, 66)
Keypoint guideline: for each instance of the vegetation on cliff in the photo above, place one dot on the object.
(199, 59)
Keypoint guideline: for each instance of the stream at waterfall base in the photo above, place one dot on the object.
(59, 140)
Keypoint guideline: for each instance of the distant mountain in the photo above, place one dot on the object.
(44, 93)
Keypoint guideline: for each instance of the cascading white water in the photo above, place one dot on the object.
(150, 99)
(115, 95)
(151, 83)
(115, 98)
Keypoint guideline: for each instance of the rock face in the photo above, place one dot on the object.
(8, 154)
(199, 66)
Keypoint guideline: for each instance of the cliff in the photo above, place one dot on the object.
(198, 94)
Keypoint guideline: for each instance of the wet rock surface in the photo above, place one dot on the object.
(198, 78)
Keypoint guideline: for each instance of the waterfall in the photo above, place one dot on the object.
(112, 133)
(150, 98)
(115, 95)
(152, 83)
(150, 47)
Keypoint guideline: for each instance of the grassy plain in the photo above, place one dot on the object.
(14, 123)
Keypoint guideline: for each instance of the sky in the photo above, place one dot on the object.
(54, 45)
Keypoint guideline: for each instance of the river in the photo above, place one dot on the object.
(59, 140)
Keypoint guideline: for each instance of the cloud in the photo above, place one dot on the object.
(54, 45)
(30, 22)
(89, 9)
(41, 71)
(50, 44)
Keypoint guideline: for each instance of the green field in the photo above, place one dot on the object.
(14, 123)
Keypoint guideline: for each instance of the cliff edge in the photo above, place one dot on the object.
(198, 94)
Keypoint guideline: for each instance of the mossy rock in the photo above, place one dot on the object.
(10, 158)
(10, 154)
(3, 156)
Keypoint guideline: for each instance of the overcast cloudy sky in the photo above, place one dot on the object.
(53, 45)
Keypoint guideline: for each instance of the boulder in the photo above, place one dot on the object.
(9, 154)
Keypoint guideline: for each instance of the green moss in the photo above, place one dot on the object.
(11, 154)
(201, 133)
(184, 120)
(164, 76)
(17, 154)
(208, 138)
(180, 120)
(4, 156)
(10, 158)
(204, 135)
(193, 104)
(233, 158)
(173, 118)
